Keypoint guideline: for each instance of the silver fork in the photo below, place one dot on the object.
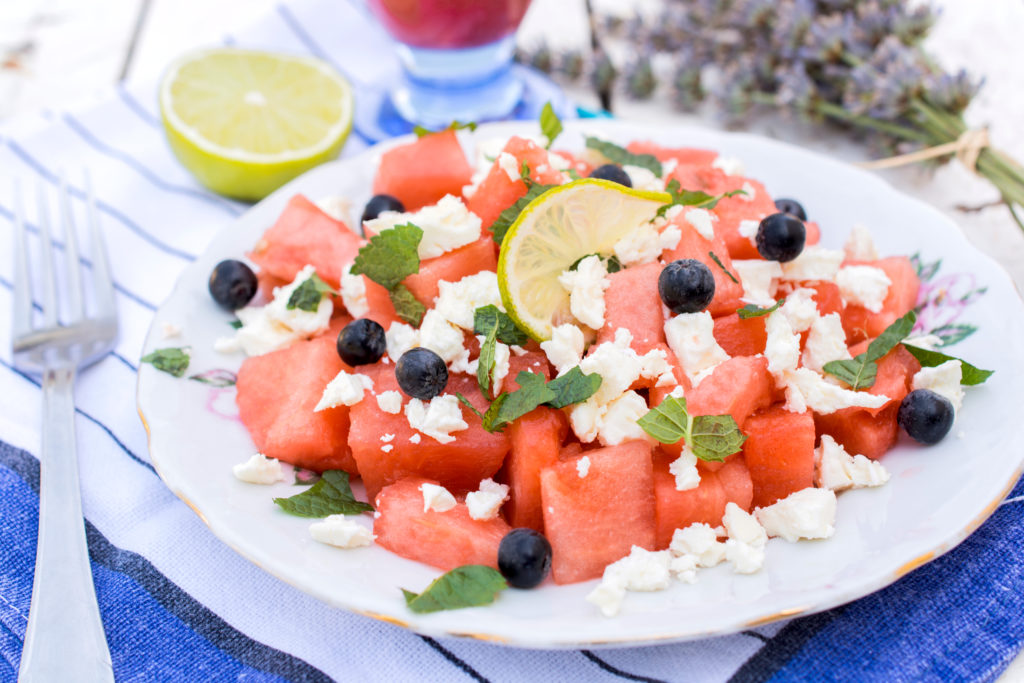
(64, 640)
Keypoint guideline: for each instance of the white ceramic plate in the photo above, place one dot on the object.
(937, 496)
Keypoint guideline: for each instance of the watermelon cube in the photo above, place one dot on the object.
(731, 211)
(451, 267)
(632, 302)
(741, 337)
(693, 246)
(420, 173)
(704, 504)
(734, 476)
(536, 440)
(860, 323)
(779, 452)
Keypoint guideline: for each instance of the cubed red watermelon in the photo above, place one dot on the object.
(451, 267)
(860, 323)
(731, 211)
(779, 452)
(632, 302)
(674, 509)
(739, 336)
(536, 440)
(693, 246)
(420, 173)
(498, 191)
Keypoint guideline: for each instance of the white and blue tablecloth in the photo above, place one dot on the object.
(177, 604)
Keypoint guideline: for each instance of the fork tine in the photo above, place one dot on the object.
(76, 310)
(103, 282)
(46, 262)
(22, 309)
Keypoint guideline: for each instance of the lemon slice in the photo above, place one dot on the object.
(246, 122)
(553, 232)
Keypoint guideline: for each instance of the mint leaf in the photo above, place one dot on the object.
(611, 263)
(550, 124)
(573, 387)
(466, 402)
(507, 217)
(718, 262)
(573, 173)
(861, 371)
(236, 324)
(307, 296)
(216, 378)
(710, 437)
(173, 361)
(420, 131)
(390, 256)
(407, 306)
(490, 316)
(623, 157)
(508, 407)
(694, 198)
(485, 362)
(929, 359)
(471, 585)
(755, 311)
(332, 495)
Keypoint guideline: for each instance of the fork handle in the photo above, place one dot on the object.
(64, 640)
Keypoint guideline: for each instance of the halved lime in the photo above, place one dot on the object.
(246, 122)
(553, 232)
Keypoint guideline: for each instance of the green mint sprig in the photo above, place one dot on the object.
(471, 585)
(694, 198)
(330, 495)
(718, 262)
(387, 259)
(572, 387)
(173, 361)
(420, 131)
(970, 375)
(755, 311)
(860, 372)
(710, 437)
(623, 157)
(407, 306)
(507, 217)
(550, 125)
(495, 326)
(307, 296)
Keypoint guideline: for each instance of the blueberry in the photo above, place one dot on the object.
(926, 416)
(380, 203)
(421, 373)
(232, 284)
(792, 207)
(362, 342)
(781, 237)
(524, 558)
(686, 286)
(613, 173)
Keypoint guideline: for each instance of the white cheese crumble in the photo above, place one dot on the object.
(510, 165)
(826, 342)
(415, 438)
(618, 422)
(813, 263)
(729, 165)
(586, 287)
(691, 338)
(390, 402)
(346, 389)
(684, 469)
(865, 286)
(456, 302)
(699, 541)
(701, 220)
(807, 389)
(341, 532)
(808, 513)
(565, 348)
(400, 338)
(438, 418)
(440, 336)
(353, 293)
(747, 539)
(837, 470)
(446, 225)
(387, 448)
(338, 208)
(859, 245)
(782, 348)
(169, 330)
(641, 570)
(583, 466)
(643, 178)
(928, 342)
(684, 567)
(259, 469)
(386, 438)
(436, 498)
(944, 380)
(748, 229)
(502, 363)
(642, 245)
(749, 193)
(759, 279)
(485, 502)
(800, 309)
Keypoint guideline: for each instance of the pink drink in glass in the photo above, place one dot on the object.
(446, 24)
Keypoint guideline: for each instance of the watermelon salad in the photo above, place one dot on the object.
(625, 363)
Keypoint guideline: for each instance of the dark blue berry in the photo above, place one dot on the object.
(686, 286)
(926, 416)
(524, 558)
(232, 284)
(379, 203)
(421, 373)
(362, 342)
(781, 237)
(792, 207)
(613, 173)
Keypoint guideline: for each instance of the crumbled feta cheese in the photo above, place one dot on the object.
(415, 438)
(643, 178)
(565, 348)
(501, 367)
(456, 302)
(859, 245)
(807, 389)
(782, 348)
(169, 330)
(928, 342)
(670, 234)
(387, 448)
(826, 342)
(436, 498)
(259, 469)
(585, 419)
(745, 545)
(701, 220)
(618, 422)
(642, 245)
(760, 279)
(583, 466)
(837, 470)
(390, 402)
(699, 541)
(944, 380)
(729, 165)
(353, 293)
(438, 418)
(617, 363)
(400, 338)
(302, 323)
(338, 208)
(800, 309)
(484, 503)
(387, 438)
(607, 596)
(808, 513)
(865, 286)
(586, 287)
(641, 570)
(440, 336)
(748, 229)
(684, 469)
(346, 389)
(446, 225)
(813, 263)
(684, 567)
(745, 558)
(341, 532)
(462, 363)
(510, 165)
(691, 338)
(749, 193)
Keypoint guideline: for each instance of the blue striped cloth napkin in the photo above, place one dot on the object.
(177, 604)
